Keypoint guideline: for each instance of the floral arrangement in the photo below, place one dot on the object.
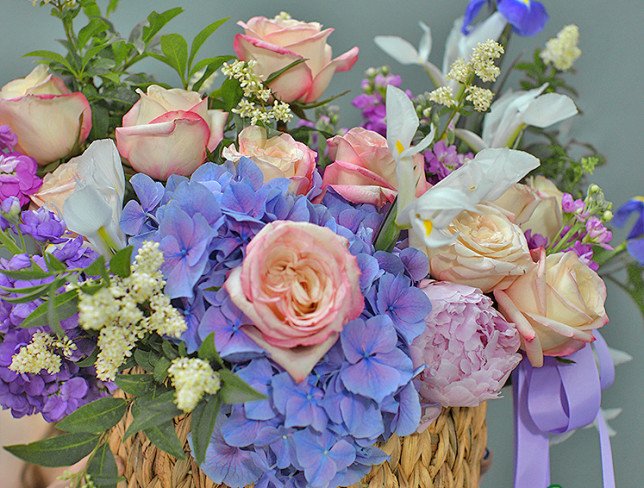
(302, 291)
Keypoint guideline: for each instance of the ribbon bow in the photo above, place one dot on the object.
(557, 398)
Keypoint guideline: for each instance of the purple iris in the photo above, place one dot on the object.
(635, 239)
(527, 17)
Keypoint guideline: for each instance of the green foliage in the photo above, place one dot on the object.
(536, 73)
(63, 450)
(99, 62)
(164, 436)
(560, 163)
(235, 390)
(208, 351)
(96, 417)
(120, 262)
(152, 410)
(204, 418)
(102, 468)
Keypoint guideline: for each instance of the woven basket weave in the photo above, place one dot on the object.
(447, 455)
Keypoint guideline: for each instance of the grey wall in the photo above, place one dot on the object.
(609, 82)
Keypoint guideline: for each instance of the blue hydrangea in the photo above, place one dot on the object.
(321, 432)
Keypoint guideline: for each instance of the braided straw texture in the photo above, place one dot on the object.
(447, 455)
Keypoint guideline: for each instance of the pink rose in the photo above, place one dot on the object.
(298, 285)
(364, 171)
(169, 131)
(555, 306)
(276, 43)
(58, 186)
(49, 120)
(278, 157)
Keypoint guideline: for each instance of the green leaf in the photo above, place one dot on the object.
(102, 468)
(236, 390)
(100, 122)
(33, 272)
(208, 350)
(52, 57)
(149, 412)
(231, 93)
(211, 65)
(136, 384)
(161, 369)
(9, 244)
(168, 349)
(204, 418)
(64, 306)
(111, 7)
(145, 359)
(95, 26)
(32, 294)
(96, 417)
(202, 37)
(53, 263)
(120, 262)
(175, 48)
(276, 74)
(164, 436)
(306, 106)
(156, 21)
(63, 450)
(97, 268)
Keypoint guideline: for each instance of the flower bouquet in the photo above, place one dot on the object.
(216, 285)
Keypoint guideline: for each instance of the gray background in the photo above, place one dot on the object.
(608, 80)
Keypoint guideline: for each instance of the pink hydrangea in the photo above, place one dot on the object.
(468, 348)
(18, 177)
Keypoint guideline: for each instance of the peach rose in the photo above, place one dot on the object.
(298, 285)
(169, 131)
(555, 306)
(364, 171)
(277, 157)
(535, 206)
(488, 251)
(276, 43)
(48, 119)
(58, 186)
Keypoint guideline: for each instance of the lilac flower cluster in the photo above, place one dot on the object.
(321, 432)
(372, 101)
(52, 395)
(590, 230)
(18, 176)
(442, 159)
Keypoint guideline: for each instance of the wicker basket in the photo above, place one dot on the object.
(447, 455)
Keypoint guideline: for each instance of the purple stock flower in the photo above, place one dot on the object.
(43, 225)
(18, 177)
(8, 139)
(442, 159)
(572, 206)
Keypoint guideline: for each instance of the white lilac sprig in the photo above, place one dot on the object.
(192, 378)
(128, 309)
(562, 51)
(255, 104)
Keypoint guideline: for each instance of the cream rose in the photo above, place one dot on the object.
(276, 43)
(535, 206)
(555, 306)
(168, 132)
(298, 285)
(488, 251)
(49, 120)
(277, 157)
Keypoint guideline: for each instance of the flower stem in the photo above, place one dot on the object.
(389, 230)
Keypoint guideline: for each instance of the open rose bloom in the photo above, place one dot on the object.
(364, 170)
(169, 131)
(555, 306)
(276, 43)
(277, 157)
(299, 286)
(49, 120)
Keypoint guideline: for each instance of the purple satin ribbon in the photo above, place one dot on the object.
(558, 398)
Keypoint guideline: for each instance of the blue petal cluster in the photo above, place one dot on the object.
(321, 432)
(527, 17)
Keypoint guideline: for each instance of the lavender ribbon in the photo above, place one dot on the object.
(558, 398)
